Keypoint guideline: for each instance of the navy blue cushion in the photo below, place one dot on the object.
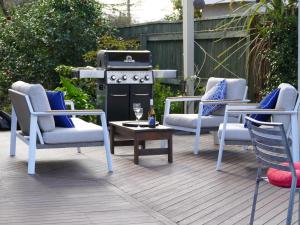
(57, 102)
(268, 102)
(217, 92)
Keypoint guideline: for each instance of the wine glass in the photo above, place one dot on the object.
(138, 113)
(136, 106)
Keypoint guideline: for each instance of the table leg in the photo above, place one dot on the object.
(170, 149)
(136, 151)
(112, 137)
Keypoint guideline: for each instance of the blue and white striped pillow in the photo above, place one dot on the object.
(217, 92)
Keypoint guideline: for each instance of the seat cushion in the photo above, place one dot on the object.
(190, 120)
(235, 132)
(215, 93)
(286, 101)
(82, 132)
(39, 102)
(57, 102)
(282, 178)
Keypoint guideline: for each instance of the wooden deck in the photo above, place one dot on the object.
(72, 188)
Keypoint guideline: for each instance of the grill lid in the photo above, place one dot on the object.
(115, 59)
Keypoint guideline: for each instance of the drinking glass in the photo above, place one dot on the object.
(136, 106)
(138, 113)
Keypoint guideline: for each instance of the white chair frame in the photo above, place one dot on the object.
(196, 147)
(35, 139)
(245, 109)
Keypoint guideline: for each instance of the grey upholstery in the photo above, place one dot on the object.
(286, 101)
(82, 132)
(235, 87)
(39, 102)
(235, 90)
(190, 120)
(235, 132)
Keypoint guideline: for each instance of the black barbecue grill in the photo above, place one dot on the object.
(128, 79)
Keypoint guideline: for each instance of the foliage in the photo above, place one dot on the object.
(43, 34)
(110, 42)
(273, 44)
(177, 13)
(87, 86)
(161, 92)
(80, 98)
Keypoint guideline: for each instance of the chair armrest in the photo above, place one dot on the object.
(184, 98)
(261, 111)
(70, 112)
(246, 106)
(225, 101)
(70, 103)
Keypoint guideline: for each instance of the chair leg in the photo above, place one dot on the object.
(13, 133)
(198, 129)
(106, 142)
(222, 141)
(255, 197)
(32, 145)
(291, 203)
(298, 208)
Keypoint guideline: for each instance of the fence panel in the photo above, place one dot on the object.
(164, 40)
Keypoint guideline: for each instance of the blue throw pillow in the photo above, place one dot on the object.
(217, 92)
(268, 102)
(57, 102)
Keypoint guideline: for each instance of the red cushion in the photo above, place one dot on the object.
(282, 178)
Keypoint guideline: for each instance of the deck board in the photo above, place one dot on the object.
(72, 188)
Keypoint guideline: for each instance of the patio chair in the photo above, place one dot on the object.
(236, 91)
(271, 147)
(30, 107)
(285, 111)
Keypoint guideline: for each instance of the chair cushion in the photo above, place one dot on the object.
(82, 132)
(235, 87)
(39, 102)
(286, 101)
(268, 102)
(190, 120)
(235, 132)
(217, 92)
(57, 102)
(235, 90)
(282, 178)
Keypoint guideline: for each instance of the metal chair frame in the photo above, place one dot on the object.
(271, 148)
(21, 106)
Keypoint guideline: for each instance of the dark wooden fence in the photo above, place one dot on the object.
(164, 40)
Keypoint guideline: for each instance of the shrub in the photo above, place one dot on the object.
(43, 34)
(161, 92)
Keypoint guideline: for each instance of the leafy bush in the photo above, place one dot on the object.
(161, 92)
(110, 42)
(43, 34)
(80, 98)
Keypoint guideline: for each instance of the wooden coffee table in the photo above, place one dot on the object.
(121, 135)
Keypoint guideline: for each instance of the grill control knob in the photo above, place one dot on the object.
(124, 77)
(119, 80)
(135, 77)
(113, 77)
(147, 77)
(142, 80)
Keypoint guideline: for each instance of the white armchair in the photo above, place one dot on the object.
(286, 112)
(236, 92)
(30, 107)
